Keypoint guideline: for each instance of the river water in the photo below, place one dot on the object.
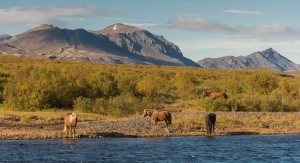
(241, 148)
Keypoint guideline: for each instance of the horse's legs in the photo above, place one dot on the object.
(154, 124)
(209, 129)
(73, 132)
(67, 131)
(168, 124)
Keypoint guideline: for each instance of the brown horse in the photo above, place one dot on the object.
(159, 116)
(214, 95)
(70, 120)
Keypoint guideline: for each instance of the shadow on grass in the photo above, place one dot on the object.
(243, 133)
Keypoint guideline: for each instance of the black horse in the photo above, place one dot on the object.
(210, 121)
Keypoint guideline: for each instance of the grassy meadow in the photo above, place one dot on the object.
(38, 92)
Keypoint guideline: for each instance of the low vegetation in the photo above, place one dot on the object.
(28, 84)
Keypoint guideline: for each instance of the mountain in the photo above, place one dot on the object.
(268, 58)
(117, 44)
(5, 37)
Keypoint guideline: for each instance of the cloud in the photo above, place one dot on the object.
(267, 33)
(33, 16)
(243, 12)
(141, 24)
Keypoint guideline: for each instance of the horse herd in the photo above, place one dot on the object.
(70, 119)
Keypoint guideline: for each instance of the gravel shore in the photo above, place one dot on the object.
(184, 124)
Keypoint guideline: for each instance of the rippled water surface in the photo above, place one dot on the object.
(254, 148)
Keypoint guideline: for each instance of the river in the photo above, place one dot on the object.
(239, 148)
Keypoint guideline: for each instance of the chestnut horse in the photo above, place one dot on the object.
(70, 120)
(210, 121)
(159, 116)
(214, 95)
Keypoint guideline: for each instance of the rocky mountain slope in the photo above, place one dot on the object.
(5, 37)
(124, 44)
(117, 44)
(268, 58)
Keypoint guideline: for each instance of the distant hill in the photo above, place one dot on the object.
(268, 58)
(117, 44)
(5, 37)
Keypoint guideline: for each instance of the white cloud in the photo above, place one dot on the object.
(243, 12)
(57, 15)
(267, 33)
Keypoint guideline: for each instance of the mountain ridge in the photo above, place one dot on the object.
(268, 58)
(117, 44)
(5, 37)
(124, 44)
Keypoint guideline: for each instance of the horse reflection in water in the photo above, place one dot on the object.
(214, 95)
(159, 116)
(69, 141)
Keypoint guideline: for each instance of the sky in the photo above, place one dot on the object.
(200, 28)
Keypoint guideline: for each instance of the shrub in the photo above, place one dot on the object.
(123, 105)
(185, 84)
(151, 85)
(247, 102)
(219, 104)
(263, 83)
(84, 104)
(126, 83)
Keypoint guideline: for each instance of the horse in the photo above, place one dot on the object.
(70, 120)
(159, 116)
(214, 95)
(210, 121)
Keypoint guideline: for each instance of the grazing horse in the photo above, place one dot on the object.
(214, 95)
(210, 121)
(159, 116)
(70, 120)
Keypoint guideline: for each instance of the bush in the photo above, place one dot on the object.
(263, 83)
(220, 104)
(84, 104)
(247, 102)
(123, 105)
(185, 83)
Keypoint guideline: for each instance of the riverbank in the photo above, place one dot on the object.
(184, 124)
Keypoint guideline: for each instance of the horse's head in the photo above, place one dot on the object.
(145, 113)
(73, 117)
(204, 94)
